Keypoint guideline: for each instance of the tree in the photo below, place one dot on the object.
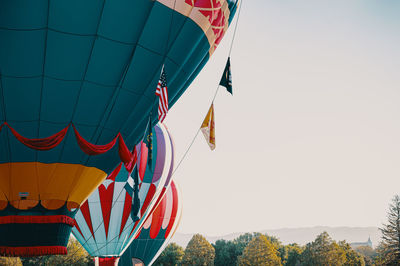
(323, 251)
(76, 256)
(368, 253)
(352, 257)
(243, 240)
(199, 252)
(10, 261)
(293, 255)
(226, 253)
(171, 256)
(260, 251)
(379, 259)
(390, 251)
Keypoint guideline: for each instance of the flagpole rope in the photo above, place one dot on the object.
(215, 95)
(186, 152)
(234, 32)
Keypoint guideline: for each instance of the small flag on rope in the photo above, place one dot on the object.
(226, 79)
(132, 188)
(162, 93)
(148, 141)
(208, 127)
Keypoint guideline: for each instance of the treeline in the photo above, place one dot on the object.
(77, 256)
(259, 249)
(247, 249)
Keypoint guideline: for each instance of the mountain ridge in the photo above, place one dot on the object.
(299, 235)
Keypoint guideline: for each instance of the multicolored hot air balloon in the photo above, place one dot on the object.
(104, 224)
(77, 86)
(156, 232)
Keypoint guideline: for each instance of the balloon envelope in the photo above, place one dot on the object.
(156, 232)
(94, 65)
(104, 224)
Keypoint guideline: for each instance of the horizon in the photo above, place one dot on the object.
(282, 228)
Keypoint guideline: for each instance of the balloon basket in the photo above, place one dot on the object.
(106, 261)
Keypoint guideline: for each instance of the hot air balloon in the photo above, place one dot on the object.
(104, 224)
(156, 232)
(77, 87)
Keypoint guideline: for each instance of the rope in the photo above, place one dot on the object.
(215, 95)
(234, 31)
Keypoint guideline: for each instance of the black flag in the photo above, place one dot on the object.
(226, 79)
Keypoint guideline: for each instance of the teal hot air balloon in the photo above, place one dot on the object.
(77, 87)
(156, 232)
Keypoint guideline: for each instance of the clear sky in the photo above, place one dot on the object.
(312, 133)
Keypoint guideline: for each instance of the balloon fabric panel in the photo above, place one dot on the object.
(156, 231)
(104, 223)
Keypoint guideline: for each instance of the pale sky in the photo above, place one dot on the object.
(312, 133)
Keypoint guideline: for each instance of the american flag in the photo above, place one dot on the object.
(162, 93)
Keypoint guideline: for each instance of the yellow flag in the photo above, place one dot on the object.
(208, 127)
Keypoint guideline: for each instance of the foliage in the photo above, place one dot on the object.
(379, 259)
(243, 240)
(171, 256)
(293, 255)
(368, 253)
(260, 251)
(198, 252)
(226, 252)
(10, 261)
(76, 256)
(247, 249)
(390, 248)
(352, 257)
(323, 251)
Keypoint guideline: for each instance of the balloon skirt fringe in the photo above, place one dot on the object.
(32, 251)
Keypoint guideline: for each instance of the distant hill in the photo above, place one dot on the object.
(300, 235)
